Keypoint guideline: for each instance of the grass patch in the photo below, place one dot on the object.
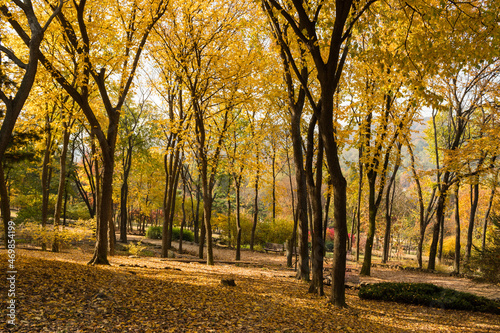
(428, 295)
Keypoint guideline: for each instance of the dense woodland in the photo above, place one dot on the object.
(363, 126)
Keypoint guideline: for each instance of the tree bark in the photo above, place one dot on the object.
(127, 164)
(314, 191)
(472, 217)
(389, 201)
(237, 183)
(456, 261)
(46, 175)
(255, 204)
(61, 187)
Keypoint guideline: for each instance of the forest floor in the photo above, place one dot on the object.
(58, 292)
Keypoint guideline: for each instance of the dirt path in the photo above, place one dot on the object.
(379, 274)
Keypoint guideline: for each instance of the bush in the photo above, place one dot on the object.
(156, 233)
(135, 249)
(329, 246)
(487, 262)
(187, 235)
(428, 295)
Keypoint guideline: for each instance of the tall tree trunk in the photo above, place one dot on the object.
(325, 122)
(127, 163)
(183, 203)
(490, 204)
(314, 191)
(486, 217)
(46, 175)
(472, 217)
(238, 218)
(105, 208)
(302, 219)
(389, 201)
(61, 187)
(358, 204)
(327, 210)
(207, 214)
(255, 204)
(293, 239)
(441, 240)
(112, 232)
(273, 159)
(197, 238)
(435, 231)
(456, 262)
(372, 216)
(229, 211)
(202, 239)
(171, 164)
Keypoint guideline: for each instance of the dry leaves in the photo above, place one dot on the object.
(59, 293)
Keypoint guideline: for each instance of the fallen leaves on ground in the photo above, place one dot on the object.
(60, 293)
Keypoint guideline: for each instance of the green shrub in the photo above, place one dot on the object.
(156, 233)
(428, 295)
(329, 246)
(187, 235)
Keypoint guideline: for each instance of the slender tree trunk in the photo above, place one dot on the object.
(229, 211)
(127, 163)
(314, 189)
(303, 269)
(435, 232)
(486, 217)
(389, 201)
(372, 216)
(61, 187)
(456, 262)
(238, 219)
(441, 240)
(183, 203)
(207, 214)
(255, 204)
(273, 159)
(46, 175)
(327, 210)
(358, 207)
(112, 232)
(472, 217)
(123, 211)
(202, 239)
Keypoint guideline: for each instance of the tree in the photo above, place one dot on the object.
(328, 52)
(135, 23)
(14, 94)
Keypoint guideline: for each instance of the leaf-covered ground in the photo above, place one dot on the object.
(60, 293)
